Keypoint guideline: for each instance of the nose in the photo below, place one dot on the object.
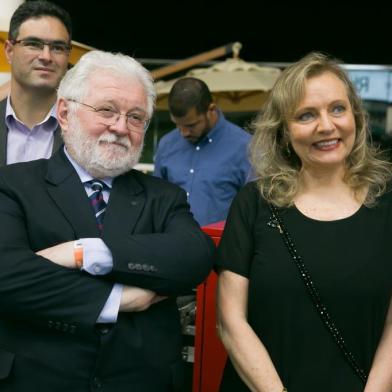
(325, 123)
(120, 125)
(185, 131)
(45, 53)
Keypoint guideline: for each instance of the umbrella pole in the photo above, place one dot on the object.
(191, 61)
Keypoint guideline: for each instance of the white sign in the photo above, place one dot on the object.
(373, 85)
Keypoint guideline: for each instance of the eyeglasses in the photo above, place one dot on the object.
(37, 45)
(136, 122)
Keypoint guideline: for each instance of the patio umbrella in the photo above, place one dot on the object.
(237, 86)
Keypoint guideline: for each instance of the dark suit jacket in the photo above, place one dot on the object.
(4, 132)
(49, 341)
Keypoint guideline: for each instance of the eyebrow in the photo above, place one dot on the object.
(33, 38)
(134, 109)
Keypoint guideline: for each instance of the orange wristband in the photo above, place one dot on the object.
(78, 254)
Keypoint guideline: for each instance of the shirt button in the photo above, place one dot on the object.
(187, 194)
(197, 148)
(209, 140)
(97, 268)
(191, 171)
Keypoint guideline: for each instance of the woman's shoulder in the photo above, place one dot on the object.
(249, 204)
(251, 190)
(249, 195)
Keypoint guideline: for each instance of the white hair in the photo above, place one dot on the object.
(75, 84)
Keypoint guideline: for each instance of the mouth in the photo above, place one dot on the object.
(191, 139)
(115, 144)
(327, 144)
(43, 69)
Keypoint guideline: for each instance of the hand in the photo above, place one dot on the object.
(136, 299)
(61, 254)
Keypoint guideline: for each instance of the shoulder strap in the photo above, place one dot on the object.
(315, 296)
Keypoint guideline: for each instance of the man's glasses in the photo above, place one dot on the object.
(136, 122)
(37, 45)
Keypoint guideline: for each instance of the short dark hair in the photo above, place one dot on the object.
(37, 9)
(188, 93)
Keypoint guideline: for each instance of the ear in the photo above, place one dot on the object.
(62, 114)
(9, 50)
(212, 106)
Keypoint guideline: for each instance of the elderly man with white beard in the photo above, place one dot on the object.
(94, 253)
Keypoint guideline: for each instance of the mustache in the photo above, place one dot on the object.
(113, 138)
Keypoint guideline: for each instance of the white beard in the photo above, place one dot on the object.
(108, 156)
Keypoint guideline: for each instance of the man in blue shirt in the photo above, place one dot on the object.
(206, 154)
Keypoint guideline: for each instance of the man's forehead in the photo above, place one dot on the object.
(106, 87)
(44, 27)
(191, 116)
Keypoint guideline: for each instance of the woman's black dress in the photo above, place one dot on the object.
(350, 261)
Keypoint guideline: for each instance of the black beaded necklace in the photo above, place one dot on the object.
(277, 222)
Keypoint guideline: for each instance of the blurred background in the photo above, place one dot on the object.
(272, 33)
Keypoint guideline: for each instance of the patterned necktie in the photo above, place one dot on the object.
(97, 201)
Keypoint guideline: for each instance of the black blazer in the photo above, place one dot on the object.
(49, 341)
(4, 132)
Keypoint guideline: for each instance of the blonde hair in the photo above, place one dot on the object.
(277, 166)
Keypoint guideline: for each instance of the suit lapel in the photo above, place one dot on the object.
(66, 190)
(126, 203)
(3, 133)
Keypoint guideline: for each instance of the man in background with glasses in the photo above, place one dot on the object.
(93, 253)
(38, 47)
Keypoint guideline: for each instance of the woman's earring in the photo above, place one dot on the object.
(288, 151)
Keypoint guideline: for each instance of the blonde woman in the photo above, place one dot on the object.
(305, 265)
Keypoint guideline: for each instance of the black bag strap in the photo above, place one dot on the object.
(314, 294)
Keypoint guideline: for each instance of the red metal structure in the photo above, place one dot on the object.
(210, 355)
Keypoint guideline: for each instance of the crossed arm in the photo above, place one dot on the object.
(133, 299)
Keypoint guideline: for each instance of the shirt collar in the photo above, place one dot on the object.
(83, 174)
(215, 129)
(49, 123)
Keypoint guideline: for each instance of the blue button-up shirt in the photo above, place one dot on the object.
(211, 171)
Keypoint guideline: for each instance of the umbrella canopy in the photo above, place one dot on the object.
(237, 86)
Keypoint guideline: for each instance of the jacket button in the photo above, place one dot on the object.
(103, 328)
(97, 383)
